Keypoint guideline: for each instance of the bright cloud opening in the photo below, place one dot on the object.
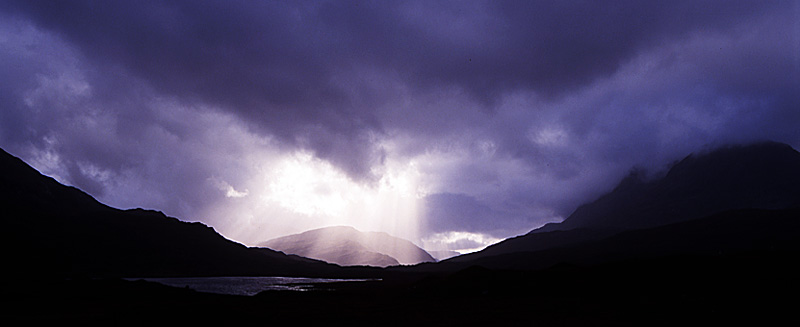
(461, 242)
(297, 192)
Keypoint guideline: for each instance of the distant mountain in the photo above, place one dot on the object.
(347, 246)
(764, 175)
(758, 176)
(56, 230)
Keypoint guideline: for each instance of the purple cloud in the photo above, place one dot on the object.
(512, 113)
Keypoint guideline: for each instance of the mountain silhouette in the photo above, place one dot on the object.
(680, 249)
(764, 175)
(731, 180)
(57, 230)
(346, 246)
(736, 232)
(442, 255)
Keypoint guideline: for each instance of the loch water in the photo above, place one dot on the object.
(246, 285)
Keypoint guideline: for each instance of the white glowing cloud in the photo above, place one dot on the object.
(549, 136)
(229, 190)
(294, 192)
(459, 241)
(309, 186)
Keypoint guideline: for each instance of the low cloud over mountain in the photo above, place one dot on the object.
(347, 246)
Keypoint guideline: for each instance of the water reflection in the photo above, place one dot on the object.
(245, 285)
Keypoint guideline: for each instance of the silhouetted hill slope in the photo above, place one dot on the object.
(56, 230)
(25, 188)
(538, 241)
(347, 246)
(729, 233)
(442, 255)
(764, 175)
(674, 291)
(761, 176)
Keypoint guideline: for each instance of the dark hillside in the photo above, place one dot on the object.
(56, 230)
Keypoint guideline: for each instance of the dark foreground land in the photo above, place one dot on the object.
(687, 290)
(714, 242)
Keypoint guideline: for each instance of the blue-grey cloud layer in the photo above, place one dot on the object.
(568, 94)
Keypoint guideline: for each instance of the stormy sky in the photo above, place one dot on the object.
(452, 124)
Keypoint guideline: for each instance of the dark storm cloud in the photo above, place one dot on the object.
(281, 65)
(446, 212)
(267, 63)
(94, 127)
(523, 109)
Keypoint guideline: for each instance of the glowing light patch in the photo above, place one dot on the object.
(47, 160)
(230, 192)
(233, 193)
(93, 172)
(307, 186)
(550, 136)
(461, 242)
